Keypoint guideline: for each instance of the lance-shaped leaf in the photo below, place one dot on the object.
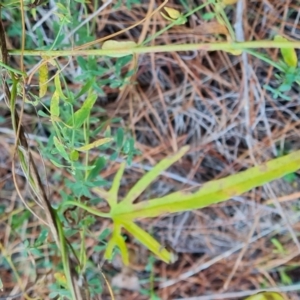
(60, 148)
(54, 105)
(112, 198)
(94, 144)
(82, 114)
(117, 240)
(212, 192)
(148, 241)
(58, 88)
(144, 182)
(289, 54)
(43, 79)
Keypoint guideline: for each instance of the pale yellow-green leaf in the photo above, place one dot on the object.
(113, 192)
(94, 144)
(115, 241)
(61, 279)
(118, 49)
(109, 249)
(213, 192)
(83, 112)
(266, 296)
(123, 249)
(173, 13)
(58, 87)
(54, 105)
(148, 241)
(43, 79)
(144, 182)
(60, 148)
(289, 54)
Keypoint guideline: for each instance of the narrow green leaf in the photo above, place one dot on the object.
(58, 87)
(81, 114)
(142, 184)
(113, 192)
(85, 88)
(57, 164)
(112, 242)
(60, 148)
(95, 144)
(54, 105)
(148, 241)
(120, 137)
(99, 164)
(289, 54)
(42, 114)
(43, 79)
(123, 249)
(114, 156)
(213, 192)
(41, 238)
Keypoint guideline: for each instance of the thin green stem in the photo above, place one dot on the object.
(222, 15)
(64, 256)
(91, 210)
(58, 34)
(266, 59)
(225, 46)
(12, 69)
(86, 140)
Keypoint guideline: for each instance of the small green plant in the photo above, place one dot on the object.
(288, 68)
(75, 135)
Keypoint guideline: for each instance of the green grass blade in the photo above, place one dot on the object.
(113, 192)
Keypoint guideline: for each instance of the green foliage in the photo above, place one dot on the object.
(279, 247)
(75, 133)
(290, 72)
(129, 3)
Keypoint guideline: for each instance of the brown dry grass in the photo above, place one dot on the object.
(216, 103)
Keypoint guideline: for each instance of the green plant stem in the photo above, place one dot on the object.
(12, 69)
(266, 59)
(91, 210)
(64, 256)
(225, 46)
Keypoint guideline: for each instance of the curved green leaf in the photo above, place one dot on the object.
(212, 192)
(143, 183)
(147, 240)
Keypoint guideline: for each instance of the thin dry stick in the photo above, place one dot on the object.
(291, 197)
